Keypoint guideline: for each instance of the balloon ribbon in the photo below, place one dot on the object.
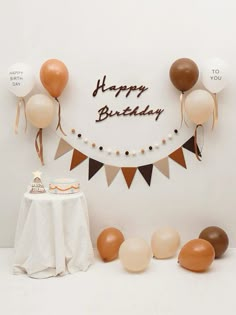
(59, 117)
(20, 101)
(215, 112)
(39, 144)
(196, 149)
(182, 109)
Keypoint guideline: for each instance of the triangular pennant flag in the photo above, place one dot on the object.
(189, 145)
(146, 171)
(178, 157)
(163, 166)
(129, 173)
(94, 167)
(111, 172)
(77, 158)
(63, 148)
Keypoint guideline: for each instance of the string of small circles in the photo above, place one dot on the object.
(126, 152)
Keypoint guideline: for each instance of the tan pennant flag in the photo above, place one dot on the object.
(163, 166)
(178, 157)
(63, 148)
(77, 158)
(129, 173)
(111, 172)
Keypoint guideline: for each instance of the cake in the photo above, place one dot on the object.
(64, 186)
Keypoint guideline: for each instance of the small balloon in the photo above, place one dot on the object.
(109, 242)
(214, 75)
(135, 254)
(218, 239)
(184, 74)
(54, 76)
(40, 110)
(165, 242)
(196, 255)
(20, 79)
(199, 106)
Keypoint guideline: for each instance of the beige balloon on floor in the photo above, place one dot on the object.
(165, 242)
(40, 110)
(135, 254)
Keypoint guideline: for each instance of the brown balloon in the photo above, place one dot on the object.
(108, 243)
(54, 76)
(184, 74)
(218, 239)
(196, 255)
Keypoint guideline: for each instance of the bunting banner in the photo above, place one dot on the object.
(111, 171)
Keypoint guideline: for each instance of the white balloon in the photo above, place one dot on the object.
(20, 79)
(199, 106)
(214, 75)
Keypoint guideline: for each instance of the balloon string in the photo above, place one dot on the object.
(39, 144)
(20, 101)
(196, 149)
(215, 112)
(182, 110)
(59, 117)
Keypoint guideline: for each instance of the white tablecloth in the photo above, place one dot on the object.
(52, 235)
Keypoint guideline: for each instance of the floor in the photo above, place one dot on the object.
(106, 289)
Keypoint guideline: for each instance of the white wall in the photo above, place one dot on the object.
(132, 42)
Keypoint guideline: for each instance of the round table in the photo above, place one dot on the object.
(52, 235)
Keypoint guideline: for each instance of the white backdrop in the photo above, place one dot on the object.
(132, 42)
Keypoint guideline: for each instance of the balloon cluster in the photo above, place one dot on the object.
(200, 104)
(39, 109)
(135, 253)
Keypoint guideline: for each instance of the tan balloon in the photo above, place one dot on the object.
(165, 242)
(40, 110)
(135, 254)
(196, 255)
(54, 76)
(199, 106)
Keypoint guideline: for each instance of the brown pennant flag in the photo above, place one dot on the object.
(146, 171)
(129, 173)
(163, 166)
(77, 158)
(111, 172)
(178, 157)
(63, 148)
(94, 167)
(189, 145)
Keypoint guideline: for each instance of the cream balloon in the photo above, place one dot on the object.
(199, 106)
(165, 242)
(40, 110)
(214, 75)
(20, 79)
(135, 254)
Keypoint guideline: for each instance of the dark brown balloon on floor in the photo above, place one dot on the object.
(108, 243)
(196, 255)
(218, 239)
(184, 74)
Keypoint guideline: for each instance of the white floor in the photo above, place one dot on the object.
(106, 289)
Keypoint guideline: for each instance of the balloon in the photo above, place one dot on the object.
(20, 79)
(165, 242)
(40, 110)
(54, 76)
(108, 243)
(199, 106)
(184, 74)
(135, 254)
(218, 239)
(196, 255)
(214, 75)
